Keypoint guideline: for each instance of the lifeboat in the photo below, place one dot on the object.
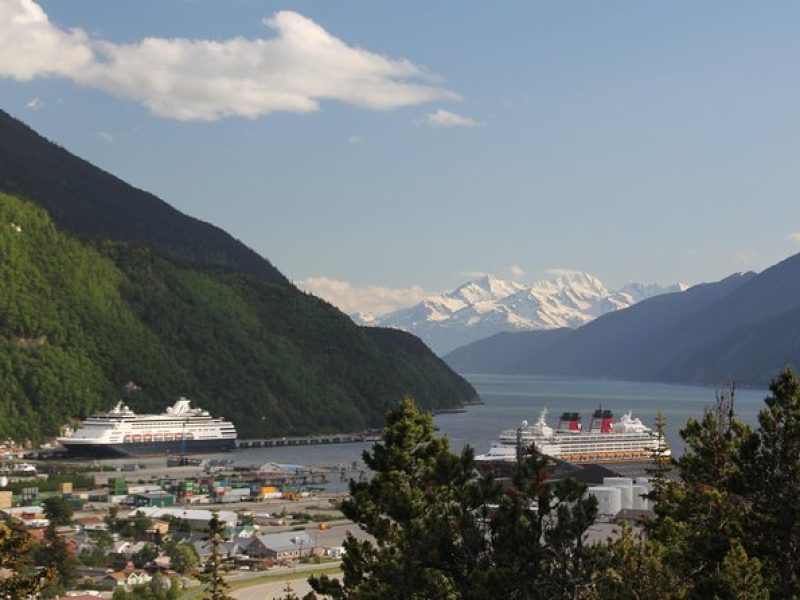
(136, 438)
(167, 437)
(158, 437)
(148, 437)
(127, 439)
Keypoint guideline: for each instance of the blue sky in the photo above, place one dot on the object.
(636, 140)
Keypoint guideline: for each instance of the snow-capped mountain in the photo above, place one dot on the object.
(488, 305)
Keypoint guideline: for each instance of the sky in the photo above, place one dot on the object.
(379, 151)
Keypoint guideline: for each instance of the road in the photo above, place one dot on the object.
(273, 589)
(276, 580)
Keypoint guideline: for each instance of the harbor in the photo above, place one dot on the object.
(364, 437)
(369, 436)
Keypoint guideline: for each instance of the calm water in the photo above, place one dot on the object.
(510, 399)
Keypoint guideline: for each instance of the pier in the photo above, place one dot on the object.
(364, 437)
(311, 440)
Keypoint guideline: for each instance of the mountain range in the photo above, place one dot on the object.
(486, 306)
(743, 328)
(108, 293)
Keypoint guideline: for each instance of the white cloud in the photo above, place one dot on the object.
(105, 136)
(192, 79)
(375, 299)
(34, 103)
(30, 46)
(445, 118)
(560, 272)
(473, 274)
(516, 271)
(746, 256)
(355, 139)
(794, 236)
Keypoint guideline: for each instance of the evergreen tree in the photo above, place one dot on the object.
(699, 514)
(215, 567)
(739, 576)
(420, 506)
(58, 511)
(665, 496)
(112, 520)
(136, 526)
(634, 567)
(537, 533)
(772, 485)
(183, 557)
(148, 553)
(443, 531)
(713, 444)
(54, 555)
(17, 555)
(149, 591)
(289, 594)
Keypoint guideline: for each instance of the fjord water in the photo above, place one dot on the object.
(510, 399)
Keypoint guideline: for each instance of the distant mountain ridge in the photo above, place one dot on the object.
(87, 201)
(743, 328)
(486, 306)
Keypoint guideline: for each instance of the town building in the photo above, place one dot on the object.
(158, 499)
(288, 545)
(197, 519)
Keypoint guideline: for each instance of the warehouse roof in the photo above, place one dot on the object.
(228, 517)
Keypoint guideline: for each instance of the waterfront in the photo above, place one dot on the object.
(507, 401)
(510, 399)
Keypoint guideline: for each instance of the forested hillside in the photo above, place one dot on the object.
(83, 324)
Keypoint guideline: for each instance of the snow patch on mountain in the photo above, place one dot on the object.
(489, 305)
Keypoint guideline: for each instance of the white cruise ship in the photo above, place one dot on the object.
(605, 441)
(121, 432)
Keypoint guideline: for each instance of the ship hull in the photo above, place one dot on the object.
(141, 449)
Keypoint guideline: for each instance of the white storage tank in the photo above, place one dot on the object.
(638, 500)
(609, 499)
(617, 481)
(626, 495)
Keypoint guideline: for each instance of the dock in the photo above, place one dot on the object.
(364, 437)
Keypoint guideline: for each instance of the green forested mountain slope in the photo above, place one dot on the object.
(79, 321)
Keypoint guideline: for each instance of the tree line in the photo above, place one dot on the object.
(726, 522)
